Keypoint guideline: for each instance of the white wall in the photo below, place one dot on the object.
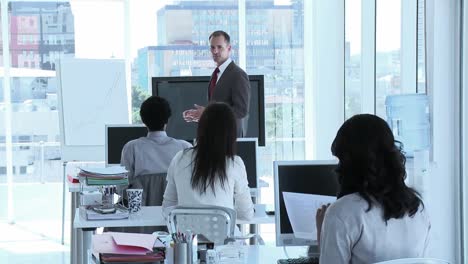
(464, 167)
(442, 199)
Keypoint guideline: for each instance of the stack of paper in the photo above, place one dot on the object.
(87, 212)
(105, 176)
(302, 209)
(73, 178)
(113, 247)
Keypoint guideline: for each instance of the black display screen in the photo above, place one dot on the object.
(183, 92)
(117, 137)
(247, 150)
(317, 179)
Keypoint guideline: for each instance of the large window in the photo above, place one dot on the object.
(275, 48)
(39, 34)
(353, 58)
(272, 43)
(384, 52)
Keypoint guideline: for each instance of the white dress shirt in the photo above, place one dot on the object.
(235, 195)
(352, 235)
(222, 68)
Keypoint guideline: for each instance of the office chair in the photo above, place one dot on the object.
(216, 223)
(153, 186)
(414, 261)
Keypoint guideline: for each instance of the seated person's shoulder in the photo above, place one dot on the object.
(423, 215)
(182, 143)
(183, 155)
(185, 144)
(238, 161)
(347, 206)
(135, 142)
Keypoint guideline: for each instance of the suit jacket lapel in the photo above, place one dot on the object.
(224, 76)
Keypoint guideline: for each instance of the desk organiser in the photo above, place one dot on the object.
(109, 180)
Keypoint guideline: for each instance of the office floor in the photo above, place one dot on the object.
(35, 237)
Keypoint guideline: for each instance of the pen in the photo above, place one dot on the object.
(164, 243)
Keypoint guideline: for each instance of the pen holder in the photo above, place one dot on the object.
(211, 257)
(181, 253)
(192, 250)
(108, 196)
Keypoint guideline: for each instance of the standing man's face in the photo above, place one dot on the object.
(220, 50)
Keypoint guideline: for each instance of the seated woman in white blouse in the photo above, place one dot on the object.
(376, 217)
(211, 173)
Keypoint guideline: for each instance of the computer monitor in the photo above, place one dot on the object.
(116, 138)
(309, 177)
(183, 92)
(247, 150)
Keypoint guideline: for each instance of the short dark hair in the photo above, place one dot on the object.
(371, 163)
(155, 112)
(218, 33)
(216, 142)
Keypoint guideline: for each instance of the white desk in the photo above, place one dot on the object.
(75, 237)
(71, 167)
(148, 216)
(268, 254)
(260, 254)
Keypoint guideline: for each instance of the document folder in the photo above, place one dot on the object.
(113, 247)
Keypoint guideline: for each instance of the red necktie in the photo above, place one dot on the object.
(214, 78)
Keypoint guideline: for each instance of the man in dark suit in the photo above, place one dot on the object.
(229, 83)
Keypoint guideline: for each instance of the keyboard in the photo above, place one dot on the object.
(302, 260)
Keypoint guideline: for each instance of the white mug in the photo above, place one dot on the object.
(135, 197)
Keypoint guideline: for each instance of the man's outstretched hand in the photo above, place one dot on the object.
(193, 115)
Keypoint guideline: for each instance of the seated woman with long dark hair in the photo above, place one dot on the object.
(211, 173)
(376, 217)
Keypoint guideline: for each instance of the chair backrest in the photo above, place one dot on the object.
(216, 223)
(414, 261)
(153, 186)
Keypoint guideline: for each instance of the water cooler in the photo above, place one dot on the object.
(408, 117)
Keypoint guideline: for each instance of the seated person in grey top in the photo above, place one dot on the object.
(153, 153)
(376, 217)
(146, 158)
